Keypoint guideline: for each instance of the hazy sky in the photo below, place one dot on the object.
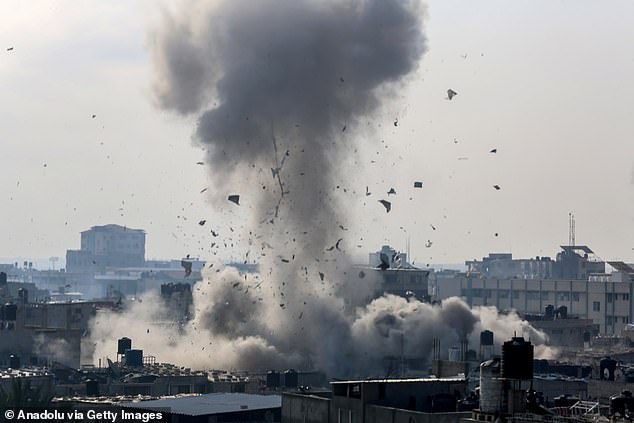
(547, 83)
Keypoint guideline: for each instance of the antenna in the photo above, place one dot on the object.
(571, 229)
(409, 258)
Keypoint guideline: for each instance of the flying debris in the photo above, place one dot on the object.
(94, 116)
(321, 276)
(386, 204)
(367, 192)
(451, 94)
(202, 222)
(432, 226)
(428, 244)
(10, 49)
(396, 122)
(234, 199)
(496, 234)
(187, 265)
(343, 129)
(385, 262)
(200, 163)
(214, 233)
(418, 184)
(495, 150)
(337, 244)
(497, 187)
(362, 273)
(391, 191)
(341, 79)
(203, 190)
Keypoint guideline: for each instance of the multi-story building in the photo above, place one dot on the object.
(574, 280)
(108, 246)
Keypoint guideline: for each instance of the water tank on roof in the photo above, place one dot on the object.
(134, 358)
(124, 344)
(454, 354)
(517, 359)
(10, 311)
(3, 278)
(92, 388)
(491, 387)
(1, 312)
(272, 379)
(291, 378)
(486, 337)
(14, 361)
(608, 364)
(23, 295)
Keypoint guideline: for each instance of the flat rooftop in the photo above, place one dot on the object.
(200, 405)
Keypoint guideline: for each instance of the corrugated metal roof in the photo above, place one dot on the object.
(201, 405)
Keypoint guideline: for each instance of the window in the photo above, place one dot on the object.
(487, 293)
(626, 297)
(516, 295)
(544, 295)
(608, 320)
(575, 296)
(503, 293)
(596, 306)
(609, 298)
(564, 296)
(532, 295)
(625, 319)
(477, 292)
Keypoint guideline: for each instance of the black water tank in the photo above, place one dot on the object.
(10, 311)
(134, 358)
(619, 403)
(608, 364)
(486, 337)
(92, 388)
(549, 313)
(3, 278)
(562, 312)
(1, 312)
(23, 295)
(124, 344)
(586, 336)
(14, 361)
(272, 379)
(517, 359)
(291, 378)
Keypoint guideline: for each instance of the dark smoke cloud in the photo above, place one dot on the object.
(278, 87)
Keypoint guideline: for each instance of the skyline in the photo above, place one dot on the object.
(552, 98)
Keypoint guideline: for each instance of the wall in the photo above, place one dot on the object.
(305, 409)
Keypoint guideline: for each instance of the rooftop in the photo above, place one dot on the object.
(418, 380)
(217, 403)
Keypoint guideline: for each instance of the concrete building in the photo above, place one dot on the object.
(384, 400)
(219, 408)
(107, 246)
(396, 276)
(606, 299)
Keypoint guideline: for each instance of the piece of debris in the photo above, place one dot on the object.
(396, 122)
(432, 226)
(10, 49)
(361, 274)
(495, 150)
(497, 187)
(202, 222)
(214, 233)
(200, 163)
(496, 234)
(386, 204)
(321, 276)
(234, 199)
(337, 244)
(343, 129)
(187, 265)
(285, 260)
(391, 191)
(203, 190)
(94, 116)
(367, 192)
(428, 244)
(385, 261)
(451, 94)
(418, 184)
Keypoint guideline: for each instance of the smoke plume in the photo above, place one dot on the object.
(279, 88)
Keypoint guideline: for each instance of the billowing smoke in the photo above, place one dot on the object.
(280, 88)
